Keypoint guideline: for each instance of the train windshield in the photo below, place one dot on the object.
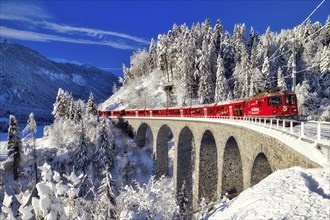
(290, 99)
(275, 101)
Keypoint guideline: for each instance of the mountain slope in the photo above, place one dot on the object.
(29, 81)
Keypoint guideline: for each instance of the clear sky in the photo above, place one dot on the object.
(105, 33)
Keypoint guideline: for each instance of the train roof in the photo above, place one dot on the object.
(270, 92)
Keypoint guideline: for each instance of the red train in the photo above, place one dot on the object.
(270, 103)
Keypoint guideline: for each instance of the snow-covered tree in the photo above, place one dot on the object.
(153, 54)
(104, 153)
(81, 152)
(218, 35)
(206, 88)
(14, 145)
(139, 63)
(105, 207)
(25, 209)
(222, 89)
(79, 111)
(308, 102)
(280, 80)
(49, 205)
(162, 56)
(72, 109)
(127, 75)
(31, 130)
(114, 88)
(91, 109)
(266, 73)
(154, 200)
(7, 212)
(61, 105)
(325, 60)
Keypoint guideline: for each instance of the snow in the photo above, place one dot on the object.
(293, 193)
(78, 79)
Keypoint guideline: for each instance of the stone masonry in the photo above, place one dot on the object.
(212, 158)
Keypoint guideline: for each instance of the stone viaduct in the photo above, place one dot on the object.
(211, 158)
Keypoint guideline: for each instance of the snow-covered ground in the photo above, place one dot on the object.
(293, 193)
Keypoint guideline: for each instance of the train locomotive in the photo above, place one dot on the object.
(272, 103)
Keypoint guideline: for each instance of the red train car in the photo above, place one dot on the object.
(131, 113)
(174, 112)
(272, 104)
(159, 112)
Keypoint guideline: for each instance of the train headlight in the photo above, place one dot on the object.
(284, 108)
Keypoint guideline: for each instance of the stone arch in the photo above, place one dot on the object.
(232, 172)
(208, 168)
(144, 137)
(260, 169)
(185, 166)
(163, 165)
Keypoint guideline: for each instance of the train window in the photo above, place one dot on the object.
(210, 110)
(275, 101)
(196, 111)
(185, 111)
(238, 110)
(224, 112)
(259, 102)
(290, 99)
(174, 111)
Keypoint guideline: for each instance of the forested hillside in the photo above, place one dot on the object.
(207, 64)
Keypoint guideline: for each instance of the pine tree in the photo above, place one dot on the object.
(153, 55)
(106, 202)
(127, 75)
(91, 110)
(187, 68)
(222, 89)
(218, 35)
(206, 88)
(227, 53)
(49, 205)
(162, 56)
(31, 130)
(325, 60)
(114, 88)
(61, 105)
(14, 146)
(104, 154)
(308, 101)
(72, 109)
(81, 153)
(280, 80)
(266, 73)
(78, 113)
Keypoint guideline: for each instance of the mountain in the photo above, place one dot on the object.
(29, 82)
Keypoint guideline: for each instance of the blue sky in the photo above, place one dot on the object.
(105, 33)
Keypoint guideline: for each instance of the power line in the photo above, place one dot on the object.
(313, 12)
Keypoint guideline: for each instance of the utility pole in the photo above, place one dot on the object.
(294, 67)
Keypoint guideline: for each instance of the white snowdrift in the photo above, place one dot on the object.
(294, 193)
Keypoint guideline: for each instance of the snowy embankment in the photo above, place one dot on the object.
(294, 193)
(148, 92)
